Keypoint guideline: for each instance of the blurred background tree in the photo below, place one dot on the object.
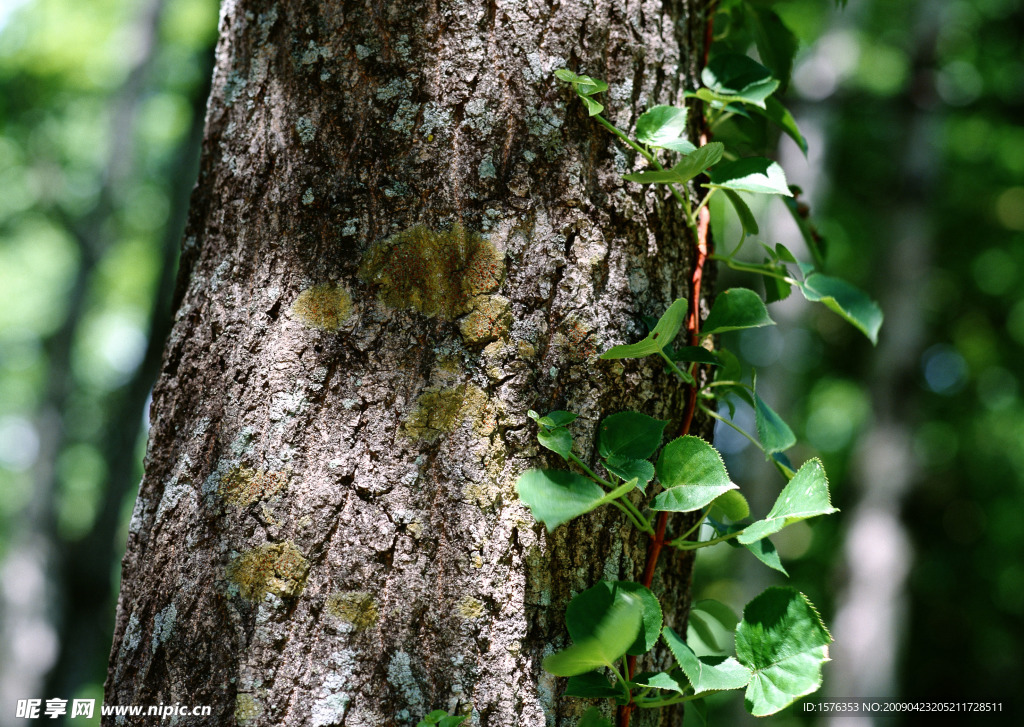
(915, 177)
(101, 108)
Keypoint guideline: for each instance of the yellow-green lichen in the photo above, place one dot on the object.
(358, 608)
(489, 319)
(278, 568)
(242, 486)
(439, 411)
(470, 608)
(323, 306)
(246, 707)
(437, 273)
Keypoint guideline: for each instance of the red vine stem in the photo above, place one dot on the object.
(693, 329)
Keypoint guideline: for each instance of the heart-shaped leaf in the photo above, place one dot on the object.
(782, 640)
(693, 473)
(557, 439)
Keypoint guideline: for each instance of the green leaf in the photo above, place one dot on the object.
(553, 418)
(735, 309)
(630, 434)
(666, 329)
(593, 718)
(583, 85)
(695, 353)
(694, 163)
(750, 174)
(588, 610)
(697, 161)
(764, 550)
(776, 44)
(779, 115)
(452, 720)
(628, 469)
(433, 718)
(774, 433)
(658, 176)
(740, 78)
(557, 496)
(733, 505)
(747, 220)
(707, 673)
(680, 145)
(612, 637)
(661, 124)
(710, 628)
(557, 439)
(694, 474)
(782, 640)
(592, 685)
(847, 300)
(593, 107)
(804, 497)
(675, 681)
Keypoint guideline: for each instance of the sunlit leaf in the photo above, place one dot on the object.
(750, 174)
(613, 636)
(782, 640)
(805, 496)
(588, 610)
(693, 473)
(661, 124)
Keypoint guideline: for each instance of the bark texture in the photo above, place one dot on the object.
(405, 235)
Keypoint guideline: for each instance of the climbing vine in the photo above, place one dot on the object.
(776, 649)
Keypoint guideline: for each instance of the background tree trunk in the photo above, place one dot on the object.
(406, 234)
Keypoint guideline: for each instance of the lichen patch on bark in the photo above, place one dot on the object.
(489, 320)
(439, 411)
(358, 608)
(242, 486)
(437, 273)
(278, 568)
(325, 307)
(247, 707)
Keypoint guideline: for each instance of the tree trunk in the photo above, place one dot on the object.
(405, 235)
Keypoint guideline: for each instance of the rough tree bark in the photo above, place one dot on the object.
(405, 235)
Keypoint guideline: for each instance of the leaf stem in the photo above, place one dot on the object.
(672, 364)
(722, 419)
(589, 471)
(689, 545)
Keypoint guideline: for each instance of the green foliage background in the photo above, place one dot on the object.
(914, 107)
